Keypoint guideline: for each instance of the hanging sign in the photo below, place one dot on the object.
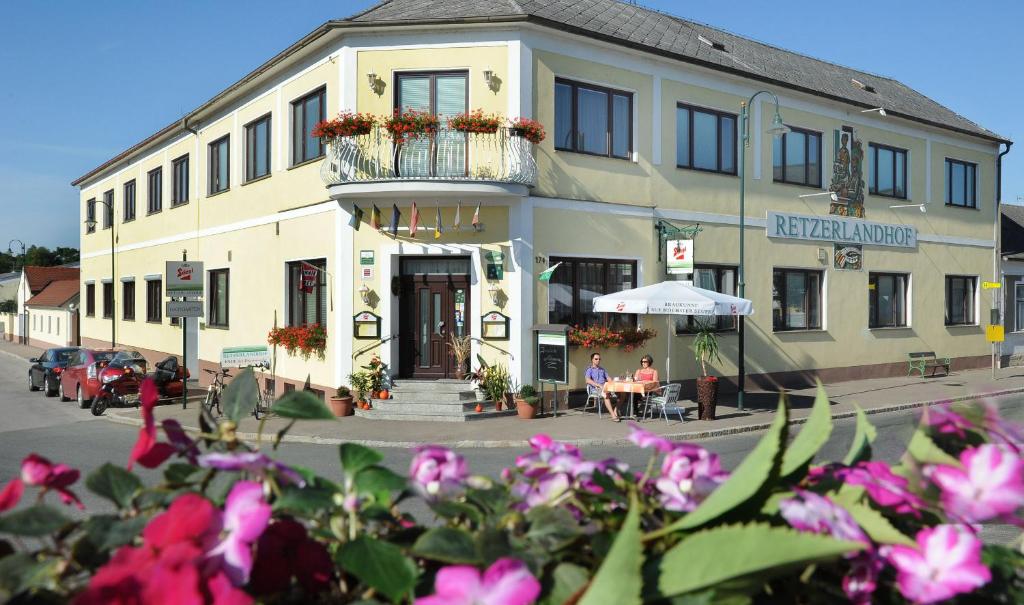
(184, 308)
(243, 357)
(679, 256)
(184, 279)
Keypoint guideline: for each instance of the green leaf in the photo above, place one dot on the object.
(924, 450)
(451, 510)
(303, 406)
(355, 457)
(21, 571)
(568, 579)
(379, 479)
(114, 483)
(864, 436)
(38, 520)
(284, 431)
(380, 565)
(179, 473)
(716, 555)
(108, 531)
(812, 436)
(448, 545)
(239, 397)
(306, 500)
(877, 526)
(619, 580)
(552, 528)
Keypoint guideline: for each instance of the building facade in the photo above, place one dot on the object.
(868, 233)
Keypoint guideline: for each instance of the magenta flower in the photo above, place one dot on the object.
(688, 475)
(257, 464)
(813, 513)
(246, 515)
(40, 472)
(646, 439)
(862, 580)
(990, 484)
(542, 491)
(944, 420)
(946, 562)
(506, 582)
(883, 486)
(437, 472)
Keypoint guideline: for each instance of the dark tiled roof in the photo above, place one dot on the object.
(55, 294)
(653, 31)
(1011, 240)
(40, 277)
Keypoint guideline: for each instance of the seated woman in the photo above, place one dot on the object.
(646, 373)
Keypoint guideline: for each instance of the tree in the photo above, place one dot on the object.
(40, 256)
(7, 262)
(8, 306)
(66, 255)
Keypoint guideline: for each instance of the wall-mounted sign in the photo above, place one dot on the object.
(366, 325)
(679, 256)
(494, 326)
(183, 279)
(366, 257)
(366, 273)
(184, 308)
(839, 229)
(495, 264)
(242, 357)
(991, 285)
(848, 257)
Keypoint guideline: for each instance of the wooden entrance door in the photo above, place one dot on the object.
(432, 306)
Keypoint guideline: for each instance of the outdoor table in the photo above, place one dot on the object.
(633, 387)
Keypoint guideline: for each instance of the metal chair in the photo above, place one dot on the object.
(596, 396)
(667, 401)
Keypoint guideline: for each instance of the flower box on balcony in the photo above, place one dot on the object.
(410, 125)
(475, 121)
(347, 124)
(531, 130)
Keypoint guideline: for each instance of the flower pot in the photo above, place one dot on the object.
(341, 406)
(479, 407)
(499, 404)
(510, 401)
(525, 409)
(383, 394)
(707, 397)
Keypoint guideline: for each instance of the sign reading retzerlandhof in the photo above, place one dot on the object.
(841, 230)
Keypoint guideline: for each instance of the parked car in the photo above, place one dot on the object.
(46, 369)
(81, 378)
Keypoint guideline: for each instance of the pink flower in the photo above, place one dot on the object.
(990, 484)
(506, 582)
(246, 515)
(946, 421)
(813, 513)
(11, 494)
(883, 486)
(147, 451)
(646, 439)
(40, 472)
(688, 475)
(436, 472)
(256, 464)
(946, 562)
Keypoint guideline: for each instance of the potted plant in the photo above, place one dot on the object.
(705, 349)
(475, 121)
(361, 384)
(496, 383)
(380, 380)
(461, 346)
(410, 124)
(347, 124)
(526, 402)
(341, 403)
(531, 130)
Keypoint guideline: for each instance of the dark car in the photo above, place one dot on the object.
(81, 379)
(46, 369)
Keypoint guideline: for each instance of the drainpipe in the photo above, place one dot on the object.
(997, 255)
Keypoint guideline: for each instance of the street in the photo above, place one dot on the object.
(62, 432)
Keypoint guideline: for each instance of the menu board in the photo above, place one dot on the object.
(552, 357)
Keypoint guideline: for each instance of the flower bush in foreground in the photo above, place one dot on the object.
(227, 523)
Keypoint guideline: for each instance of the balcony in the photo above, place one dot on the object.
(444, 162)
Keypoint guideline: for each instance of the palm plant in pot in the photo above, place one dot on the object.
(341, 403)
(526, 402)
(705, 349)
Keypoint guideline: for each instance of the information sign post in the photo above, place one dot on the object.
(184, 282)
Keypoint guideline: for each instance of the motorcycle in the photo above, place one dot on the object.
(120, 383)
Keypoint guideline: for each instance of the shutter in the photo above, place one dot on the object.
(414, 92)
(451, 146)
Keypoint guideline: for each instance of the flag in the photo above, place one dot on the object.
(395, 217)
(357, 217)
(476, 217)
(546, 275)
(309, 277)
(438, 227)
(375, 218)
(457, 225)
(414, 220)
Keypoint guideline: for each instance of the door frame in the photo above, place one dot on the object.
(407, 309)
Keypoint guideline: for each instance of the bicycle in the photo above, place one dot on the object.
(214, 391)
(264, 396)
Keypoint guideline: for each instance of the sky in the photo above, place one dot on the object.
(82, 81)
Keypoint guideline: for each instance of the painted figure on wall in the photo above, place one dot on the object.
(848, 257)
(848, 174)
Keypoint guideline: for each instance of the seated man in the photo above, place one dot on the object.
(596, 377)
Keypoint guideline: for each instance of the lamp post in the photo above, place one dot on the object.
(23, 316)
(776, 129)
(90, 222)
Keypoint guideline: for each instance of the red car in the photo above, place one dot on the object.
(81, 379)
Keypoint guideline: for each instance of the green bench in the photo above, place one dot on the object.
(923, 360)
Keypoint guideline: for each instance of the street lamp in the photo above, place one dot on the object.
(22, 317)
(90, 222)
(778, 128)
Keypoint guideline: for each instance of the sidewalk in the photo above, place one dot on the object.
(873, 395)
(16, 349)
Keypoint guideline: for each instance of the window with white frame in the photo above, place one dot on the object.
(578, 281)
(796, 299)
(1018, 300)
(887, 300)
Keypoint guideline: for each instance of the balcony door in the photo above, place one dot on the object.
(444, 94)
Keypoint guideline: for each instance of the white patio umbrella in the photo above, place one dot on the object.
(671, 298)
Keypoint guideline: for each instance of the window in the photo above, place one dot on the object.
(961, 188)
(128, 300)
(442, 94)
(218, 298)
(257, 148)
(220, 164)
(154, 300)
(49, 325)
(796, 299)
(888, 167)
(1018, 299)
(307, 307)
(90, 300)
(57, 332)
(887, 300)
(718, 279)
(179, 168)
(960, 300)
(705, 139)
(108, 209)
(129, 202)
(90, 215)
(577, 282)
(108, 300)
(593, 119)
(796, 158)
(306, 112)
(155, 190)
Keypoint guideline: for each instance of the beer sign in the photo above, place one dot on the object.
(184, 279)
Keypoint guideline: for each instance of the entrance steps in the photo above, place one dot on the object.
(446, 400)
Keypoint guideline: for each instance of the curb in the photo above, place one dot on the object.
(614, 442)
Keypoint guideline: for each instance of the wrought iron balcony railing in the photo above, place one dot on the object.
(446, 155)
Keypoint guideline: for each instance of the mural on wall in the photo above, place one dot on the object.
(847, 174)
(848, 257)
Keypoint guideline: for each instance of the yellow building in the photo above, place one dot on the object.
(869, 227)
